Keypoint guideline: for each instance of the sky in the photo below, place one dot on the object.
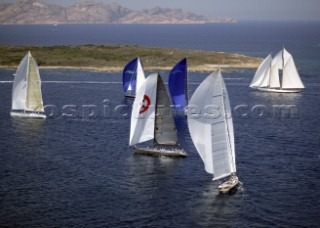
(305, 10)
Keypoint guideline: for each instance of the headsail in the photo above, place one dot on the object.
(143, 112)
(211, 128)
(132, 76)
(262, 76)
(19, 91)
(178, 85)
(165, 130)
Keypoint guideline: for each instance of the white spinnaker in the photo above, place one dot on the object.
(262, 75)
(210, 126)
(291, 78)
(140, 75)
(143, 112)
(19, 90)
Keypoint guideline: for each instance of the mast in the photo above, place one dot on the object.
(186, 84)
(281, 82)
(27, 80)
(223, 88)
(270, 65)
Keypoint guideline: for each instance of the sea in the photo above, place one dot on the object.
(75, 169)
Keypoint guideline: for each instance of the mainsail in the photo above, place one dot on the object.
(132, 76)
(165, 130)
(26, 94)
(34, 96)
(211, 128)
(290, 75)
(178, 85)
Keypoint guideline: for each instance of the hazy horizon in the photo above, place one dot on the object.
(241, 9)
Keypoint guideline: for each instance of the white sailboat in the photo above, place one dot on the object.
(267, 76)
(26, 92)
(152, 118)
(211, 129)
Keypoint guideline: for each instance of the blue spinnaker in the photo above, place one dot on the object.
(129, 75)
(178, 85)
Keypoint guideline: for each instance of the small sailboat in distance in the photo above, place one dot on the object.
(151, 118)
(26, 93)
(211, 130)
(178, 85)
(132, 77)
(267, 76)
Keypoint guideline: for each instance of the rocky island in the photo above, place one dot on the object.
(90, 12)
(115, 57)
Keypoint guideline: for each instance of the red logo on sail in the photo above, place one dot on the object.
(145, 104)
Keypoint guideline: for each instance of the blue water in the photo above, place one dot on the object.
(73, 170)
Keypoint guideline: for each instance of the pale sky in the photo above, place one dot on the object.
(239, 9)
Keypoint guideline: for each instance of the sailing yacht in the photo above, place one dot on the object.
(211, 130)
(26, 93)
(267, 76)
(152, 118)
(132, 77)
(178, 85)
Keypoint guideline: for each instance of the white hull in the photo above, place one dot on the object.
(228, 185)
(28, 115)
(279, 90)
(161, 151)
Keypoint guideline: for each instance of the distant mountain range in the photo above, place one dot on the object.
(37, 12)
